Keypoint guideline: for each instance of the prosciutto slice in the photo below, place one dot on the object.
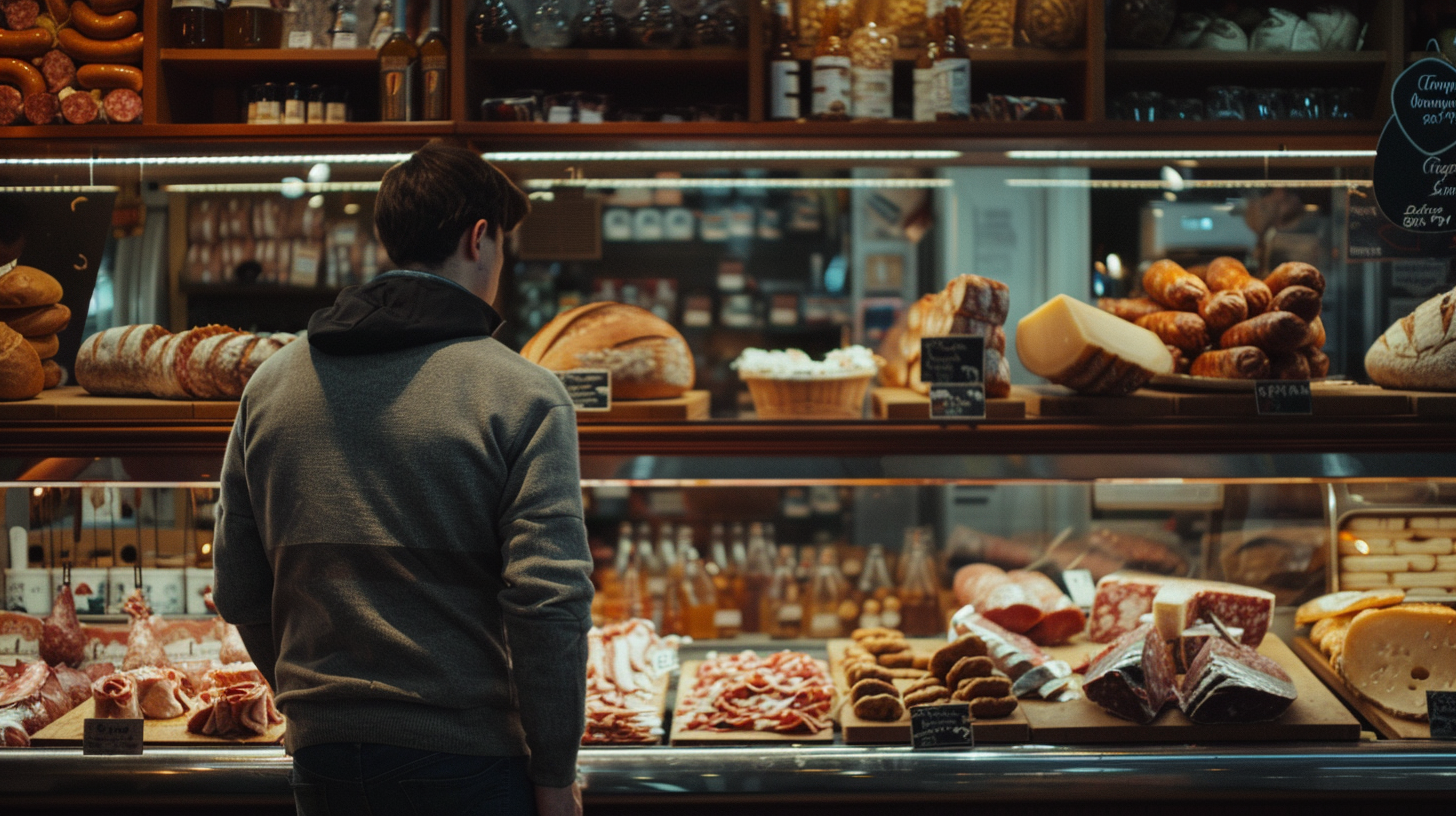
(61, 638)
(233, 674)
(239, 711)
(37, 697)
(116, 697)
(162, 692)
(143, 647)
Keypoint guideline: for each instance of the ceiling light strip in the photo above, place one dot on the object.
(172, 161)
(742, 183)
(1191, 184)
(721, 155)
(60, 189)
(1175, 155)
(295, 188)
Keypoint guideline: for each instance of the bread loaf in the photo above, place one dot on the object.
(227, 375)
(1418, 350)
(969, 305)
(110, 362)
(24, 287)
(171, 378)
(648, 358)
(202, 367)
(36, 321)
(259, 352)
(45, 347)
(21, 375)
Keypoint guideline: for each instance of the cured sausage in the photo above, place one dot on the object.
(11, 105)
(1229, 274)
(21, 14)
(1223, 309)
(1173, 286)
(61, 638)
(31, 42)
(1299, 300)
(104, 76)
(102, 26)
(1061, 618)
(84, 49)
(1290, 366)
(122, 105)
(113, 6)
(60, 11)
(1319, 362)
(59, 70)
(42, 108)
(22, 75)
(1295, 273)
(1184, 330)
(1271, 331)
(79, 108)
(1237, 363)
(1129, 308)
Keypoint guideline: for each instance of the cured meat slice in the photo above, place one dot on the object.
(80, 108)
(623, 692)
(1060, 617)
(1121, 600)
(59, 70)
(116, 697)
(36, 697)
(12, 104)
(61, 638)
(42, 108)
(786, 692)
(1135, 678)
(233, 650)
(122, 105)
(21, 14)
(233, 674)
(1231, 683)
(162, 692)
(238, 711)
(1180, 604)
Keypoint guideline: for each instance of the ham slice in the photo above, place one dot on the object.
(162, 692)
(233, 650)
(239, 711)
(233, 674)
(1135, 678)
(61, 639)
(116, 697)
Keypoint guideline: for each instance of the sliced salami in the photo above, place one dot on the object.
(11, 104)
(122, 105)
(42, 108)
(59, 70)
(1122, 598)
(21, 14)
(80, 108)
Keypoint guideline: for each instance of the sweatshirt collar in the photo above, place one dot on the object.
(397, 310)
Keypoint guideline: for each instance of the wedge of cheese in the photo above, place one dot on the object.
(1392, 656)
(1076, 344)
(1180, 604)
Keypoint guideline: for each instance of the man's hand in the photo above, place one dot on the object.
(558, 801)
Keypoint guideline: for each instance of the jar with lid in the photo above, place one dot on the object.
(195, 24)
(1051, 23)
(252, 24)
(599, 25)
(987, 23)
(657, 25)
(548, 25)
(872, 62)
(494, 24)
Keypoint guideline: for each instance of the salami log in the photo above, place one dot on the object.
(1121, 599)
(42, 108)
(1060, 620)
(122, 106)
(58, 69)
(22, 75)
(61, 638)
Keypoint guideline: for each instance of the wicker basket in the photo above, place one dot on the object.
(816, 398)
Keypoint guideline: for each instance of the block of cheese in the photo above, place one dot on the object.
(1366, 546)
(1424, 579)
(1424, 546)
(1076, 344)
(1393, 656)
(1181, 604)
(1387, 563)
(1345, 603)
(1376, 523)
(1446, 562)
(1364, 580)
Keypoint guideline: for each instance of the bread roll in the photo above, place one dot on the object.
(1418, 350)
(1171, 285)
(1129, 308)
(54, 374)
(1227, 274)
(648, 358)
(45, 347)
(25, 286)
(1295, 273)
(1223, 309)
(37, 321)
(21, 375)
(1184, 330)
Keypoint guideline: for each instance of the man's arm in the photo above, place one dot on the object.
(242, 577)
(547, 601)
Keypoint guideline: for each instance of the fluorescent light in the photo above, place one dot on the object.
(721, 155)
(292, 188)
(160, 161)
(1188, 184)
(742, 183)
(1177, 155)
(60, 189)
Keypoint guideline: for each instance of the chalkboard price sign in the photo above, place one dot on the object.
(942, 726)
(1441, 705)
(1273, 397)
(957, 359)
(1415, 160)
(590, 389)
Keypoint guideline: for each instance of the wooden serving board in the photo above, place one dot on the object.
(1315, 715)
(1389, 725)
(1327, 399)
(1430, 404)
(663, 680)
(692, 405)
(69, 729)
(682, 736)
(857, 731)
(72, 402)
(903, 403)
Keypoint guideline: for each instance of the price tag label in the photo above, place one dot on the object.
(664, 661)
(965, 401)
(942, 726)
(111, 737)
(590, 389)
(1441, 705)
(1080, 586)
(300, 39)
(1283, 397)
(345, 39)
(954, 368)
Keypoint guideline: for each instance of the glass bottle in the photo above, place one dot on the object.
(825, 595)
(919, 594)
(872, 56)
(952, 68)
(434, 70)
(657, 25)
(784, 70)
(674, 608)
(700, 598)
(783, 611)
(654, 573)
(399, 62)
(924, 71)
(875, 588)
(383, 24)
(294, 102)
(727, 580)
(195, 24)
(344, 32)
(804, 570)
(494, 24)
(599, 25)
(634, 596)
(757, 575)
(252, 24)
(830, 68)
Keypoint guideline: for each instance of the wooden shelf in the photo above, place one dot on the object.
(1272, 59)
(982, 56)
(651, 55)
(309, 56)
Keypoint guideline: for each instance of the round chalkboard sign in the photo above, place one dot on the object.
(1415, 190)
(1423, 98)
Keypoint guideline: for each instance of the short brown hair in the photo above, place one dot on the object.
(428, 201)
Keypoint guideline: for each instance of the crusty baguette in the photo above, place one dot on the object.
(202, 368)
(648, 358)
(227, 374)
(1418, 350)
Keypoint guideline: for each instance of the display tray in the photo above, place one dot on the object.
(663, 681)
(1315, 715)
(73, 402)
(1331, 399)
(681, 736)
(1386, 724)
(857, 731)
(692, 405)
(68, 730)
(903, 403)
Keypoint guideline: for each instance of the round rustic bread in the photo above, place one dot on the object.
(1418, 350)
(648, 358)
(26, 286)
(21, 375)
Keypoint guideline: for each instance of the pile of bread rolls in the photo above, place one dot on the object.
(1220, 321)
(31, 315)
(969, 305)
(207, 362)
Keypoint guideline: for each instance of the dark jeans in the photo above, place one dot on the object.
(344, 779)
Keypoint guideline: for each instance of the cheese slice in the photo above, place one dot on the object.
(1392, 656)
(1344, 603)
(1364, 580)
(1182, 603)
(1424, 579)
(1082, 347)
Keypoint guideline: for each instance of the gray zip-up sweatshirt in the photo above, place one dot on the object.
(400, 535)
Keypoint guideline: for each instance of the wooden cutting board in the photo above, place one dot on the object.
(857, 731)
(1326, 400)
(1389, 725)
(69, 728)
(72, 402)
(681, 736)
(663, 680)
(692, 405)
(1315, 715)
(1430, 404)
(903, 403)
